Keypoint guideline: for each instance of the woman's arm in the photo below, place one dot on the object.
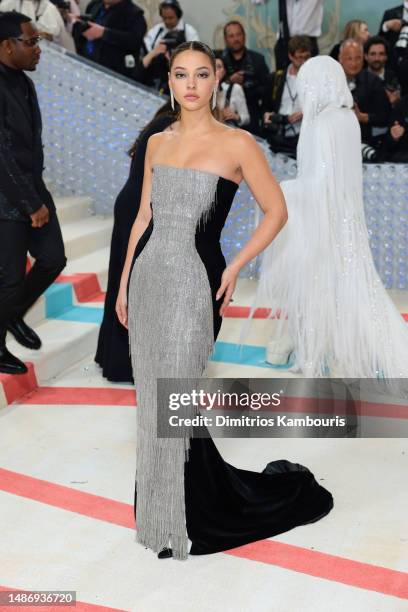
(266, 191)
(138, 228)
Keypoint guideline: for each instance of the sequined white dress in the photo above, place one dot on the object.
(319, 272)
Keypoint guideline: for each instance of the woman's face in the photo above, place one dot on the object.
(219, 69)
(364, 33)
(192, 79)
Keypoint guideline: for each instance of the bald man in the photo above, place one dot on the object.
(372, 107)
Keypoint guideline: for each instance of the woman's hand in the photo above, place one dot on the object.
(121, 307)
(228, 282)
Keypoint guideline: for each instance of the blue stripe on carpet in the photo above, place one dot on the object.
(59, 304)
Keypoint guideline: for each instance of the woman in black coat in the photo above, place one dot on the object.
(113, 344)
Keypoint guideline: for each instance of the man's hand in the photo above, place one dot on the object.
(295, 117)
(46, 36)
(229, 113)
(237, 77)
(40, 217)
(393, 24)
(362, 117)
(268, 117)
(397, 131)
(94, 31)
(160, 48)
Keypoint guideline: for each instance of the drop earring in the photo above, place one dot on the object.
(172, 99)
(214, 99)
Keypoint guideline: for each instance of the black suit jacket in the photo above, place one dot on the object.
(395, 13)
(22, 189)
(125, 28)
(371, 98)
(257, 72)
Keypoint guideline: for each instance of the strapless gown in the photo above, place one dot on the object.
(183, 486)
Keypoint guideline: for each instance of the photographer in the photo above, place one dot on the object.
(280, 105)
(171, 26)
(247, 68)
(152, 68)
(394, 28)
(111, 34)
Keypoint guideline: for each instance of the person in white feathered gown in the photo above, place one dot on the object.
(319, 272)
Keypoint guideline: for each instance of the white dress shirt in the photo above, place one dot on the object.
(305, 17)
(151, 41)
(237, 101)
(290, 103)
(44, 14)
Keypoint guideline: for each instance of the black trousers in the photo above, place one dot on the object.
(18, 290)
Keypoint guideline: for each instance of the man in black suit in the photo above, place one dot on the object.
(396, 142)
(371, 104)
(394, 28)
(113, 36)
(28, 221)
(246, 67)
(391, 23)
(376, 57)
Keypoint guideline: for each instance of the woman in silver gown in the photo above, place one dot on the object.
(171, 302)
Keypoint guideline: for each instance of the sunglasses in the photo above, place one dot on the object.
(30, 42)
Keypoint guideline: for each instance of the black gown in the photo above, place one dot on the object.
(112, 352)
(227, 506)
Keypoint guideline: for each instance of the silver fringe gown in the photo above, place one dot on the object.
(171, 335)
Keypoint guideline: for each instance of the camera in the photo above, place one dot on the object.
(248, 74)
(276, 124)
(402, 42)
(173, 39)
(82, 22)
(368, 153)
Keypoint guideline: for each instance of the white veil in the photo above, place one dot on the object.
(319, 271)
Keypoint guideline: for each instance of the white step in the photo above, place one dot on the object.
(64, 343)
(97, 262)
(83, 237)
(73, 208)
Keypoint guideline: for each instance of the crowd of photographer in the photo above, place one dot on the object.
(114, 34)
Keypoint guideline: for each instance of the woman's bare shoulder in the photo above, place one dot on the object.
(240, 143)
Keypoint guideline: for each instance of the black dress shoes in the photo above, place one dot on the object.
(24, 334)
(166, 553)
(9, 364)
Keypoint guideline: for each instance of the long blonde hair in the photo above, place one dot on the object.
(352, 29)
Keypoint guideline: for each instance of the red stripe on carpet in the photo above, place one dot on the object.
(67, 498)
(242, 312)
(106, 396)
(98, 396)
(330, 567)
(79, 606)
(311, 405)
(238, 312)
(86, 286)
(295, 558)
(17, 385)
